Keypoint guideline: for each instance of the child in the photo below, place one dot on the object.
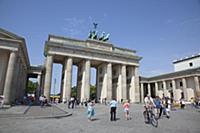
(126, 107)
(90, 110)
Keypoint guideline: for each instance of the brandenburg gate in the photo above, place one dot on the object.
(116, 68)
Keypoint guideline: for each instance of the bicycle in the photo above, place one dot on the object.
(151, 117)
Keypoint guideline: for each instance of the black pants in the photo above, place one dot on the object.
(160, 113)
(113, 113)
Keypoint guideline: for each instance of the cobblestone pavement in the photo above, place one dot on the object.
(181, 121)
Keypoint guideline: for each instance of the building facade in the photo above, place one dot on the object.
(15, 69)
(14, 64)
(183, 83)
(117, 68)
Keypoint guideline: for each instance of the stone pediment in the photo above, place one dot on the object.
(8, 35)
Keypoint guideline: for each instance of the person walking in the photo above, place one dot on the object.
(90, 110)
(126, 107)
(159, 107)
(113, 108)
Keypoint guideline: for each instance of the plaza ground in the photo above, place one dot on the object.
(181, 121)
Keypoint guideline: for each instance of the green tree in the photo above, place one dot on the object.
(92, 92)
(74, 91)
(31, 86)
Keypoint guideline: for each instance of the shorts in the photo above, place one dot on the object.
(126, 110)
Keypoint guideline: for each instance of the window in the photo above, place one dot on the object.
(181, 84)
(190, 64)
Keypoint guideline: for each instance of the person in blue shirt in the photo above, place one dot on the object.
(113, 108)
(158, 105)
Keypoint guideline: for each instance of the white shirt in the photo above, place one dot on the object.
(113, 103)
(148, 101)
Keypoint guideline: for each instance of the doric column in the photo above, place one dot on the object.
(142, 93)
(196, 80)
(84, 84)
(79, 82)
(97, 86)
(156, 88)
(165, 88)
(184, 88)
(4, 58)
(124, 86)
(38, 91)
(149, 88)
(9, 78)
(16, 80)
(62, 82)
(42, 84)
(132, 84)
(48, 76)
(184, 83)
(119, 84)
(103, 81)
(67, 79)
(109, 81)
(137, 84)
(174, 88)
(87, 79)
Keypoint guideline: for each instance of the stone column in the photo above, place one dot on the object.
(165, 88)
(184, 88)
(109, 81)
(103, 83)
(9, 78)
(48, 76)
(142, 93)
(79, 82)
(124, 85)
(4, 58)
(119, 84)
(174, 89)
(131, 84)
(16, 80)
(67, 79)
(42, 84)
(196, 80)
(87, 79)
(38, 91)
(84, 85)
(62, 82)
(97, 86)
(156, 88)
(149, 88)
(137, 85)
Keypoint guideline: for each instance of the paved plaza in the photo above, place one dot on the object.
(181, 121)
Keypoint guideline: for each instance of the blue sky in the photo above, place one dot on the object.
(160, 30)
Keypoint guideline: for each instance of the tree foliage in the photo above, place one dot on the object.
(92, 91)
(31, 86)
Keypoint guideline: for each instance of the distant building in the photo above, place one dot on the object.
(182, 83)
(187, 63)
